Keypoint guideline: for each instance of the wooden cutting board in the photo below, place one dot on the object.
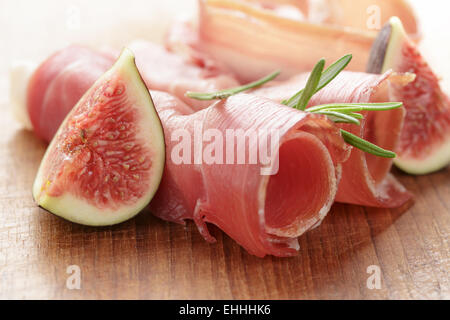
(149, 258)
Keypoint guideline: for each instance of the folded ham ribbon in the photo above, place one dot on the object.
(57, 85)
(263, 213)
(177, 74)
(365, 179)
(255, 37)
(59, 82)
(254, 41)
(367, 15)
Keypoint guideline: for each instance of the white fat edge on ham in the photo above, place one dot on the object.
(19, 76)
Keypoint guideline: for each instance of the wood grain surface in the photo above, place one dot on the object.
(148, 258)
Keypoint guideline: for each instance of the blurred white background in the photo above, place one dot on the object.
(38, 27)
(31, 30)
(34, 29)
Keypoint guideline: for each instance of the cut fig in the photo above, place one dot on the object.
(425, 140)
(106, 161)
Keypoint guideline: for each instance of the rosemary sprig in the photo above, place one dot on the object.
(341, 112)
(327, 76)
(336, 112)
(223, 94)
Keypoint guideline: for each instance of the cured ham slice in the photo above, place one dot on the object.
(78, 67)
(368, 187)
(71, 71)
(362, 14)
(365, 178)
(256, 37)
(165, 71)
(253, 41)
(263, 213)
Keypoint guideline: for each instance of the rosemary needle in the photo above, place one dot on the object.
(223, 94)
(356, 107)
(311, 86)
(366, 146)
(339, 117)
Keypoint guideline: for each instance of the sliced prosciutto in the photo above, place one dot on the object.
(70, 71)
(361, 14)
(365, 178)
(264, 213)
(74, 69)
(264, 205)
(254, 41)
(177, 74)
(256, 37)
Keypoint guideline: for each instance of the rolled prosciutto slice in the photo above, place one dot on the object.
(58, 83)
(176, 74)
(255, 37)
(263, 197)
(365, 178)
(74, 69)
(264, 213)
(254, 40)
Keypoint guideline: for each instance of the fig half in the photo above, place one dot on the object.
(106, 161)
(425, 138)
